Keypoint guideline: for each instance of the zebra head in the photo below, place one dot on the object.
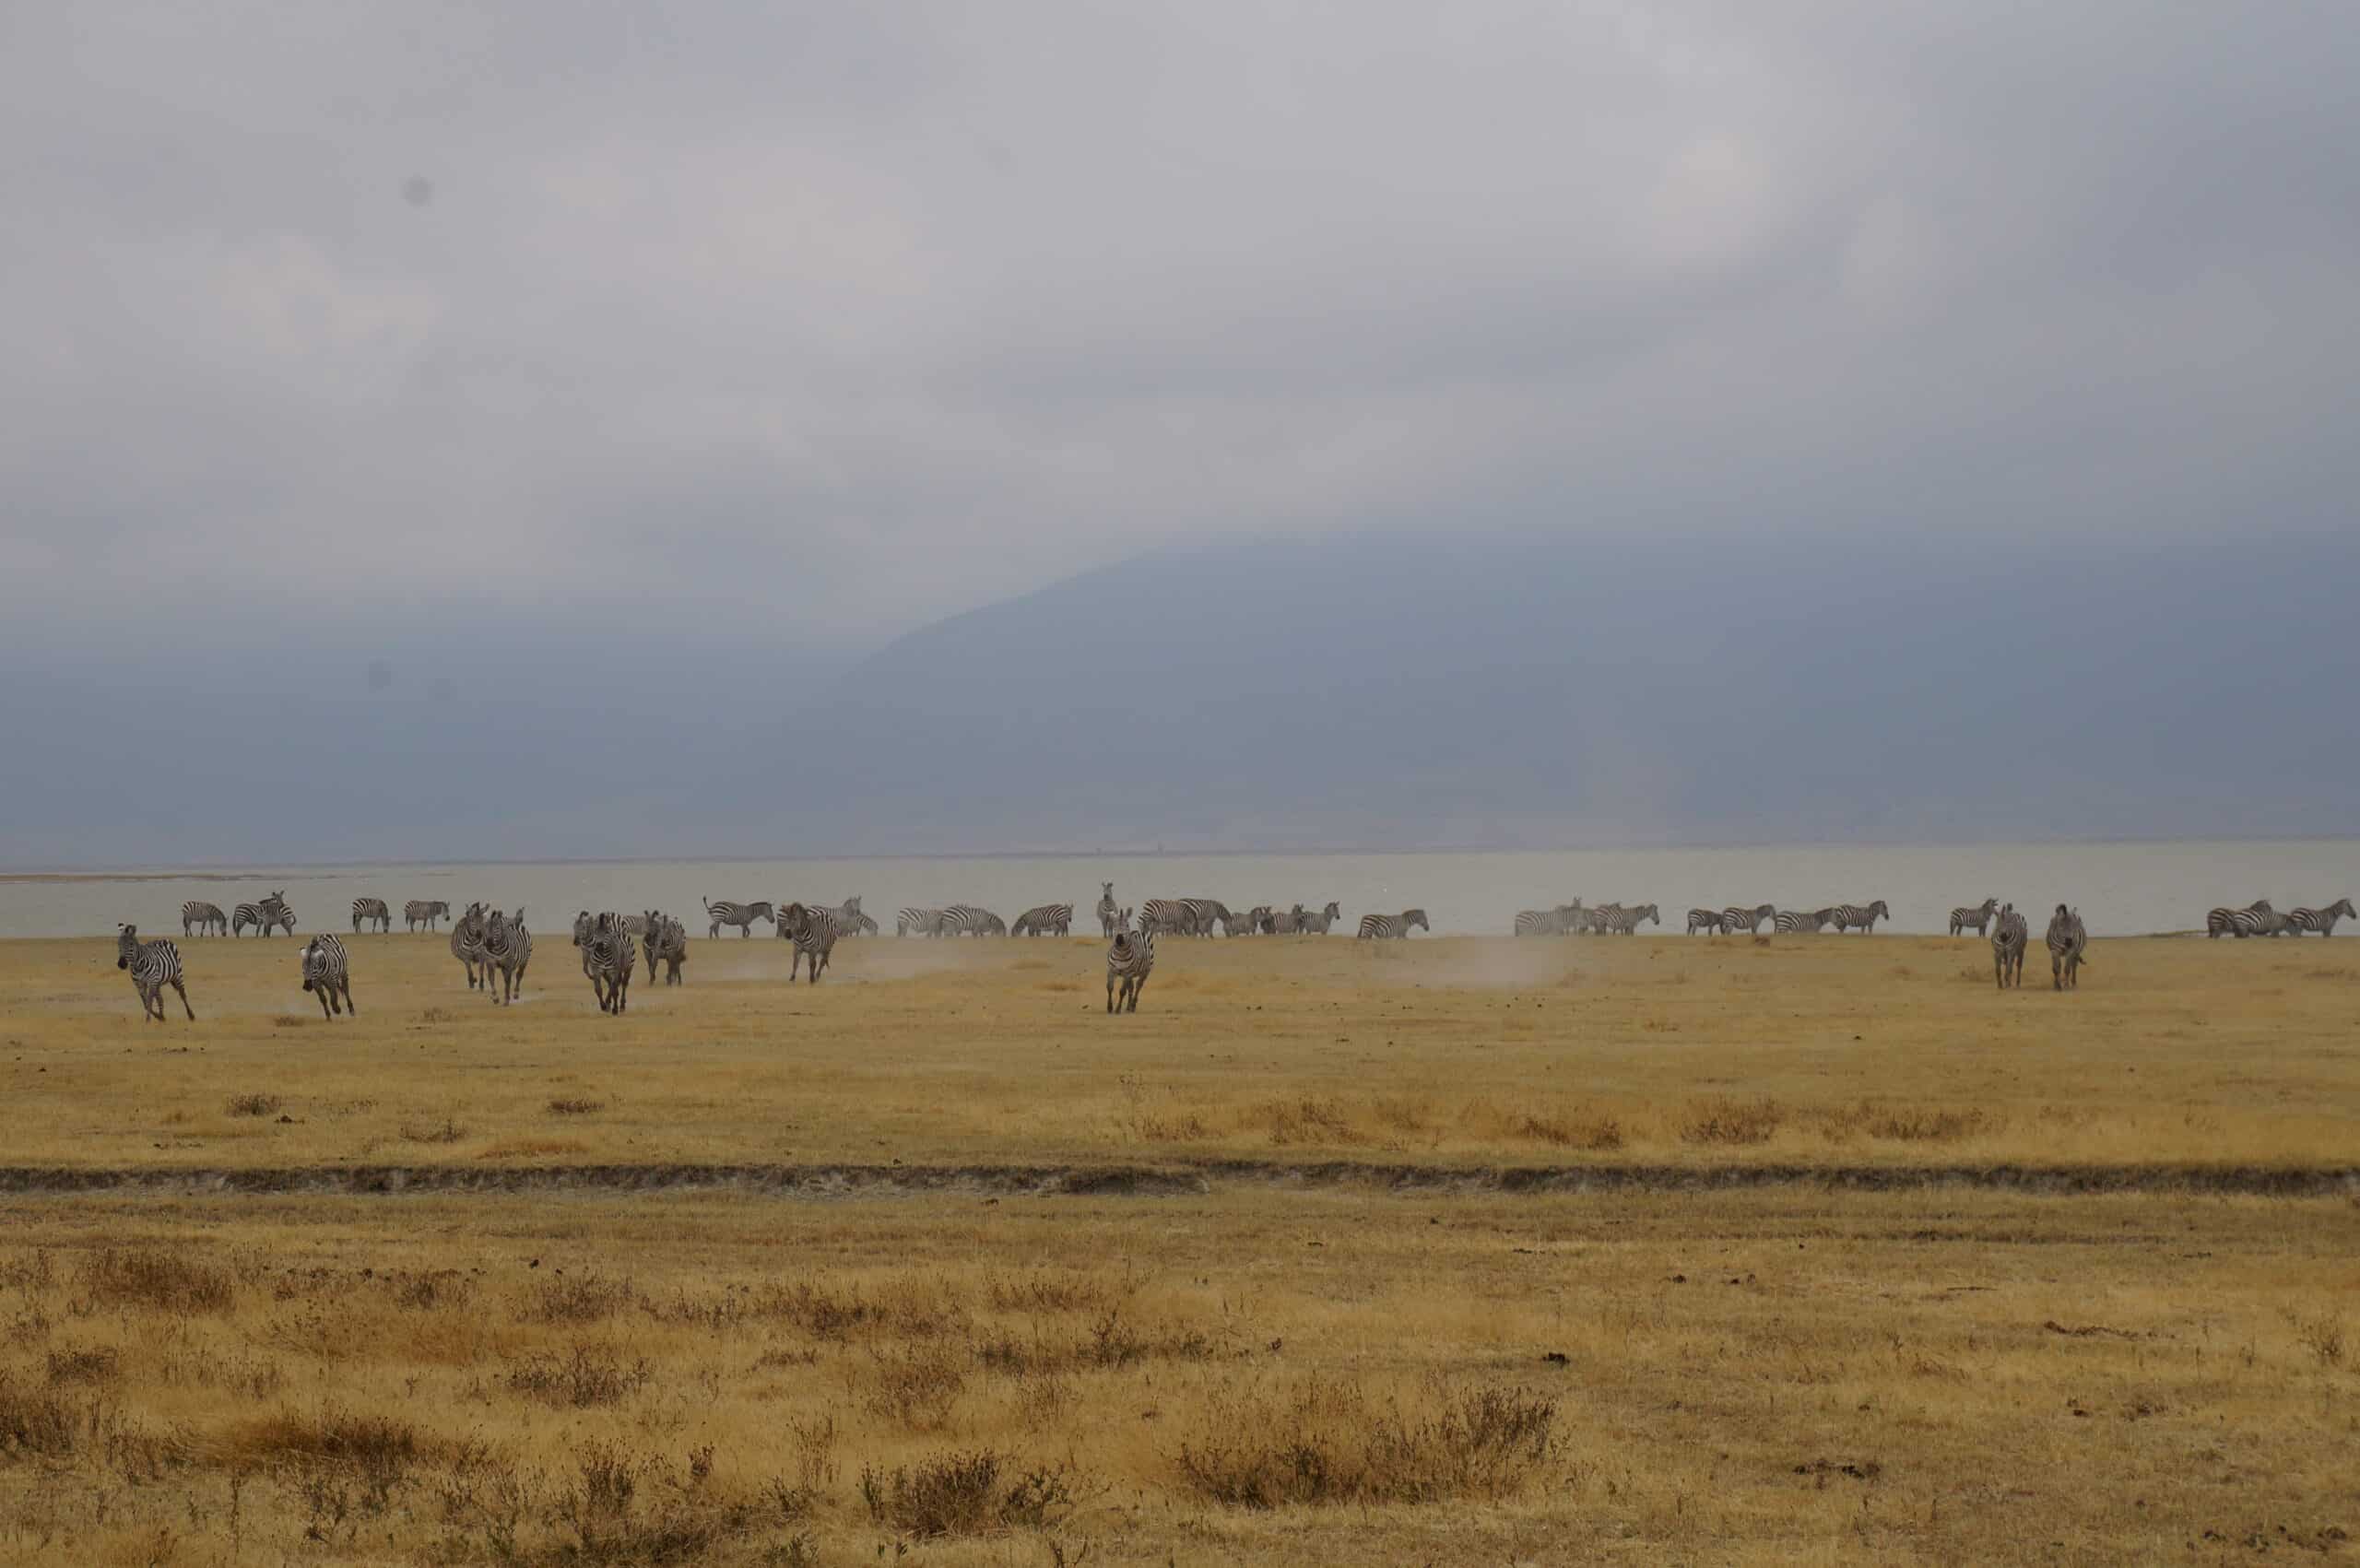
(584, 925)
(1416, 918)
(126, 942)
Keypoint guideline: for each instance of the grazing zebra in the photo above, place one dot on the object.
(1706, 920)
(742, 915)
(2319, 920)
(2008, 939)
(425, 911)
(813, 932)
(204, 917)
(328, 976)
(608, 958)
(507, 948)
(272, 911)
(466, 944)
(2239, 923)
(1203, 912)
(371, 909)
(1168, 917)
(1048, 920)
(1129, 961)
(850, 921)
(1978, 917)
(1801, 920)
(1863, 916)
(1626, 921)
(924, 922)
(2068, 939)
(666, 939)
(966, 920)
(153, 966)
(1751, 919)
(1393, 928)
(1316, 924)
(1108, 915)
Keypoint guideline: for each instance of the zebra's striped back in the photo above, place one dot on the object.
(1167, 917)
(742, 915)
(366, 909)
(152, 966)
(2009, 937)
(1751, 919)
(1629, 919)
(2067, 939)
(1203, 912)
(1863, 917)
(1393, 928)
(924, 922)
(1130, 959)
(2240, 923)
(1044, 920)
(1978, 916)
(1705, 920)
(813, 931)
(1804, 921)
(424, 912)
(2319, 920)
(204, 917)
(967, 920)
(327, 974)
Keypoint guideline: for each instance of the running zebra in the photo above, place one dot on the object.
(2009, 937)
(1751, 919)
(2256, 919)
(1108, 912)
(1863, 917)
(667, 940)
(608, 958)
(742, 915)
(1048, 920)
(425, 911)
(1626, 921)
(365, 910)
(2068, 939)
(507, 948)
(271, 911)
(1129, 961)
(203, 917)
(1393, 928)
(467, 945)
(813, 931)
(924, 922)
(1978, 917)
(1167, 917)
(1803, 921)
(849, 920)
(1316, 924)
(153, 966)
(966, 920)
(2319, 920)
(1204, 912)
(328, 976)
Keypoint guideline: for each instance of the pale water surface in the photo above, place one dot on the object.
(2120, 888)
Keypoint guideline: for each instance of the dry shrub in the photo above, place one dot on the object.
(985, 1492)
(577, 1108)
(84, 1365)
(1400, 1113)
(1919, 1124)
(449, 1132)
(916, 1388)
(331, 1437)
(1166, 1129)
(1329, 1442)
(435, 1288)
(253, 1104)
(2322, 1335)
(1042, 1290)
(164, 1281)
(1734, 1122)
(38, 1423)
(614, 1518)
(579, 1298)
(1598, 1133)
(288, 1021)
(1306, 1121)
(591, 1375)
(906, 1308)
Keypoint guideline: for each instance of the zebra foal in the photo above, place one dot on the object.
(153, 965)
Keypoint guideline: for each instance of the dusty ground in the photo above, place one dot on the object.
(1258, 1369)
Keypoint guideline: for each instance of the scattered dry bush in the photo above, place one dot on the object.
(288, 1020)
(587, 1376)
(1305, 1121)
(432, 1290)
(449, 1132)
(162, 1281)
(1732, 1122)
(1917, 1124)
(1598, 1133)
(39, 1423)
(979, 1493)
(579, 1298)
(94, 1364)
(1329, 1442)
(253, 1104)
(916, 1388)
(577, 1108)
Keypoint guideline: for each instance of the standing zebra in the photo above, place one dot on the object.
(742, 915)
(507, 948)
(1862, 916)
(271, 911)
(1316, 924)
(1048, 920)
(1751, 919)
(1203, 913)
(1711, 920)
(924, 922)
(1235, 922)
(153, 966)
(1286, 922)
(327, 974)
(204, 917)
(2319, 920)
(466, 944)
(425, 911)
(1626, 921)
(2067, 939)
(2255, 918)
(1978, 917)
(850, 921)
(1167, 917)
(666, 940)
(365, 910)
(2009, 937)
(966, 920)
(1106, 909)
(1393, 928)
(1805, 921)
(608, 958)
(1552, 922)
(1129, 961)
(813, 932)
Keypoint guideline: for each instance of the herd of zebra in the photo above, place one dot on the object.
(2258, 919)
(1578, 919)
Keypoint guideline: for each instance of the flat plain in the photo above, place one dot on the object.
(1463, 1250)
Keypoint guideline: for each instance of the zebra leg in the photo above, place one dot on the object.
(182, 989)
(1139, 984)
(1110, 993)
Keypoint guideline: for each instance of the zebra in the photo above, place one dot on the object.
(2009, 935)
(742, 915)
(966, 920)
(425, 911)
(326, 975)
(1233, 923)
(2068, 939)
(1316, 924)
(1626, 921)
(1555, 921)
(506, 947)
(1108, 912)
(466, 944)
(204, 917)
(1204, 912)
(582, 926)
(371, 909)
(153, 966)
(1708, 920)
(924, 922)
(814, 934)
(1129, 961)
(1864, 916)
(272, 911)
(1738, 914)
(2319, 920)
(2239, 922)
(1807, 921)
(1048, 920)
(1169, 917)
(1393, 928)
(667, 940)
(608, 958)
(1258, 920)
(1288, 922)
(1595, 920)
(1977, 915)
(850, 921)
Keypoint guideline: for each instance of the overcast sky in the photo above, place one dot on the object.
(848, 316)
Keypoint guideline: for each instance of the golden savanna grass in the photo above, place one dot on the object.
(1262, 1371)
